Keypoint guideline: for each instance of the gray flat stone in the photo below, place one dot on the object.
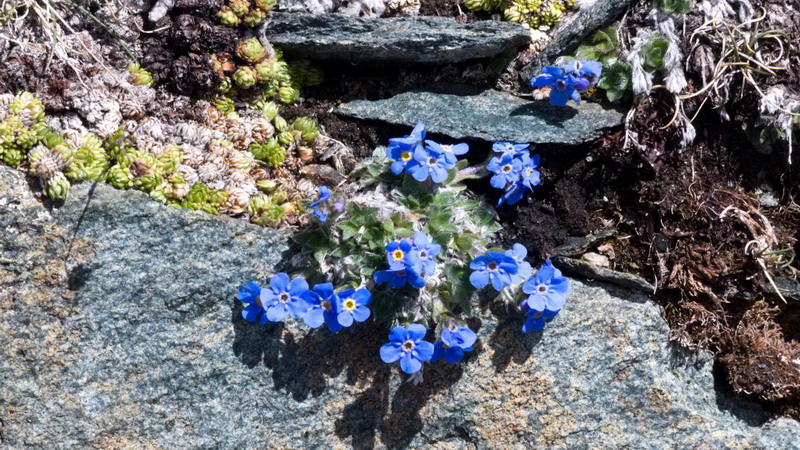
(463, 112)
(395, 40)
(573, 29)
(119, 329)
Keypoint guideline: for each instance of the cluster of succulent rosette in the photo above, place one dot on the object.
(256, 64)
(416, 246)
(252, 14)
(537, 14)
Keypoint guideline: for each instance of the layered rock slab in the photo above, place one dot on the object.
(395, 40)
(465, 112)
(118, 327)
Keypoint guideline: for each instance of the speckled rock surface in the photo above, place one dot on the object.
(118, 328)
(570, 32)
(464, 112)
(395, 40)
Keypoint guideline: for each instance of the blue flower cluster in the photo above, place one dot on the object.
(514, 170)
(568, 80)
(407, 346)
(315, 306)
(408, 260)
(547, 290)
(322, 207)
(423, 158)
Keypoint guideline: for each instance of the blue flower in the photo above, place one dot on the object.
(398, 278)
(495, 267)
(455, 341)
(509, 148)
(562, 83)
(425, 252)
(536, 319)
(283, 298)
(528, 176)
(324, 196)
(401, 150)
(450, 151)
(320, 214)
(547, 290)
(324, 308)
(587, 72)
(524, 269)
(429, 162)
(250, 295)
(407, 346)
(506, 170)
(353, 306)
(399, 255)
(513, 194)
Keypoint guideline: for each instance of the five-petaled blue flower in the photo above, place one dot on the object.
(536, 319)
(406, 345)
(353, 306)
(509, 148)
(324, 307)
(450, 151)
(524, 269)
(250, 295)
(283, 297)
(495, 267)
(455, 341)
(429, 162)
(547, 290)
(398, 278)
(401, 150)
(425, 252)
(399, 255)
(563, 85)
(506, 170)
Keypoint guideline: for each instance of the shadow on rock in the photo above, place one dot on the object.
(507, 340)
(254, 343)
(404, 422)
(554, 116)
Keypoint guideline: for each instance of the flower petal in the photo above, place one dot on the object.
(399, 335)
(409, 364)
(361, 313)
(248, 292)
(391, 352)
(297, 287)
(313, 317)
(453, 355)
(479, 278)
(251, 312)
(280, 282)
(345, 318)
(416, 331)
(277, 313)
(324, 290)
(533, 324)
(424, 350)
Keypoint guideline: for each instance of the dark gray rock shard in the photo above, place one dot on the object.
(573, 29)
(396, 40)
(119, 329)
(464, 112)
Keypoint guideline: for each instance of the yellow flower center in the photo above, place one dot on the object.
(446, 148)
(349, 304)
(528, 171)
(405, 156)
(398, 255)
